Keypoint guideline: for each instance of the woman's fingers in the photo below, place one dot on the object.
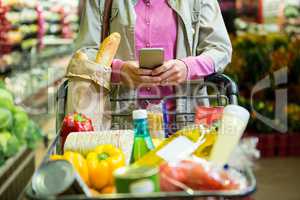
(168, 74)
(144, 72)
(165, 67)
(172, 80)
(150, 79)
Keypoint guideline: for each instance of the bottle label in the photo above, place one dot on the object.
(180, 148)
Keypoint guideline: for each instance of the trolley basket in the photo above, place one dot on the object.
(224, 92)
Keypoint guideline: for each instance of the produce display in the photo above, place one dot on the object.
(16, 128)
(270, 53)
(27, 24)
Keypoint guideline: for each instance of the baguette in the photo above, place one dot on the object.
(85, 142)
(81, 56)
(108, 49)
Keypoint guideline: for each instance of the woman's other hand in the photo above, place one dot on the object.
(172, 72)
(133, 76)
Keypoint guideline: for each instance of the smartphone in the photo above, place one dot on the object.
(151, 58)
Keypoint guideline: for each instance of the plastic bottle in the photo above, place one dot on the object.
(233, 124)
(178, 146)
(142, 139)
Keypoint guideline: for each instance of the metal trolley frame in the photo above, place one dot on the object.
(225, 92)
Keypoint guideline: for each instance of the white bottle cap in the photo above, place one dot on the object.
(139, 114)
(238, 111)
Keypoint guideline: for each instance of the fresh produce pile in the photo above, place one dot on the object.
(16, 129)
(97, 167)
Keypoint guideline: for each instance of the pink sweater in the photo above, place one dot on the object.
(156, 26)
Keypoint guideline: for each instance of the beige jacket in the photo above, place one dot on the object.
(201, 29)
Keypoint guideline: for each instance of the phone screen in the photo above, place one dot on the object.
(151, 58)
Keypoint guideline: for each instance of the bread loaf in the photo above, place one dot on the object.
(108, 49)
(80, 56)
(84, 142)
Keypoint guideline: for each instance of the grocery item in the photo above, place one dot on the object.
(193, 132)
(142, 140)
(94, 193)
(108, 49)
(108, 190)
(156, 130)
(233, 124)
(179, 146)
(75, 122)
(102, 162)
(58, 178)
(208, 116)
(137, 179)
(156, 122)
(89, 85)
(78, 162)
(88, 141)
(197, 174)
(81, 56)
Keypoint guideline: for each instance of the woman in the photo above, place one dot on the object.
(192, 33)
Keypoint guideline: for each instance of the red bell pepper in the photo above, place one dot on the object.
(75, 122)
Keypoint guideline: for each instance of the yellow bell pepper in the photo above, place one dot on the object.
(102, 162)
(57, 157)
(78, 162)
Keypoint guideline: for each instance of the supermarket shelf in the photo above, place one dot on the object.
(15, 174)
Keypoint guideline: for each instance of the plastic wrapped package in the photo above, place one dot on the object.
(198, 174)
(245, 154)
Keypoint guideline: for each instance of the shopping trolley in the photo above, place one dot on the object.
(225, 92)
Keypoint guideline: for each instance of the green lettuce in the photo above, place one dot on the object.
(21, 123)
(34, 134)
(6, 119)
(6, 100)
(9, 144)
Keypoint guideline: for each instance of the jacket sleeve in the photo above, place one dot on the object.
(214, 41)
(90, 25)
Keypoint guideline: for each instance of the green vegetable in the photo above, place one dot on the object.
(21, 123)
(6, 100)
(6, 119)
(2, 158)
(9, 144)
(34, 134)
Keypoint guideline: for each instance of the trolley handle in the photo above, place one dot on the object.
(230, 88)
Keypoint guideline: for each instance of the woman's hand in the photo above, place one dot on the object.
(172, 72)
(133, 76)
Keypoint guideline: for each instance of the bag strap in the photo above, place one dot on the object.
(106, 19)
